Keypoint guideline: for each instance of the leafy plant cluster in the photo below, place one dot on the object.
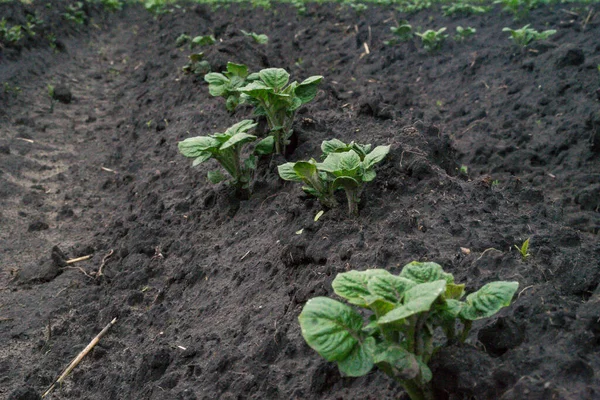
(345, 166)
(463, 34)
(409, 312)
(75, 13)
(432, 40)
(402, 33)
(520, 8)
(526, 35)
(464, 9)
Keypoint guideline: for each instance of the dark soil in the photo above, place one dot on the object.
(207, 289)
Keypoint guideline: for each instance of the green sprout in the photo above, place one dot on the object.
(346, 166)
(50, 89)
(410, 312)
(463, 34)
(75, 13)
(10, 35)
(205, 40)
(227, 149)
(464, 9)
(519, 8)
(182, 39)
(524, 250)
(197, 65)
(112, 5)
(226, 84)
(525, 35)
(413, 6)
(258, 38)
(433, 40)
(402, 33)
(157, 7)
(273, 96)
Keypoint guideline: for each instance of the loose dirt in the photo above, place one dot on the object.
(207, 288)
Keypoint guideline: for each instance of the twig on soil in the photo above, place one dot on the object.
(25, 140)
(245, 255)
(79, 357)
(524, 289)
(81, 270)
(78, 259)
(587, 20)
(574, 14)
(485, 251)
(106, 257)
(108, 170)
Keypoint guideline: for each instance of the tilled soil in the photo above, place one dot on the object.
(207, 288)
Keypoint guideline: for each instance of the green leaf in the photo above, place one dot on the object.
(421, 272)
(204, 156)
(307, 90)
(368, 175)
(390, 287)
(238, 139)
(338, 162)
(488, 300)
(454, 291)
(287, 173)
(426, 374)
(449, 310)
(305, 169)
(360, 361)
(353, 285)
(256, 89)
(416, 300)
(250, 163)
(237, 69)
(333, 146)
(216, 176)
(275, 78)
(402, 362)
(196, 146)
(243, 126)
(265, 146)
(345, 182)
(330, 327)
(375, 156)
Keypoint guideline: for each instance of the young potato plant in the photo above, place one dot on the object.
(205, 40)
(278, 101)
(258, 38)
(463, 34)
(413, 6)
(227, 149)
(433, 40)
(519, 8)
(226, 84)
(10, 35)
(525, 35)
(464, 9)
(408, 310)
(402, 33)
(197, 65)
(346, 166)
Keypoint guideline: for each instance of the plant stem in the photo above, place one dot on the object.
(415, 390)
(466, 329)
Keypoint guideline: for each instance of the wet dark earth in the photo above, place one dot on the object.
(490, 145)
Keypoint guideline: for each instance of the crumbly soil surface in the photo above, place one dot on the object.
(206, 288)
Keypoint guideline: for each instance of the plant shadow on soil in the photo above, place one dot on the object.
(207, 289)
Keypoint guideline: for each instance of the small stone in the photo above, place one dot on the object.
(571, 57)
(62, 94)
(38, 226)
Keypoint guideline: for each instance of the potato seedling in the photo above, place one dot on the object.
(413, 6)
(258, 38)
(10, 35)
(112, 5)
(408, 310)
(227, 148)
(402, 33)
(226, 84)
(346, 166)
(278, 101)
(433, 40)
(156, 7)
(182, 39)
(463, 34)
(525, 35)
(464, 9)
(197, 65)
(205, 40)
(519, 8)
(524, 250)
(75, 13)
